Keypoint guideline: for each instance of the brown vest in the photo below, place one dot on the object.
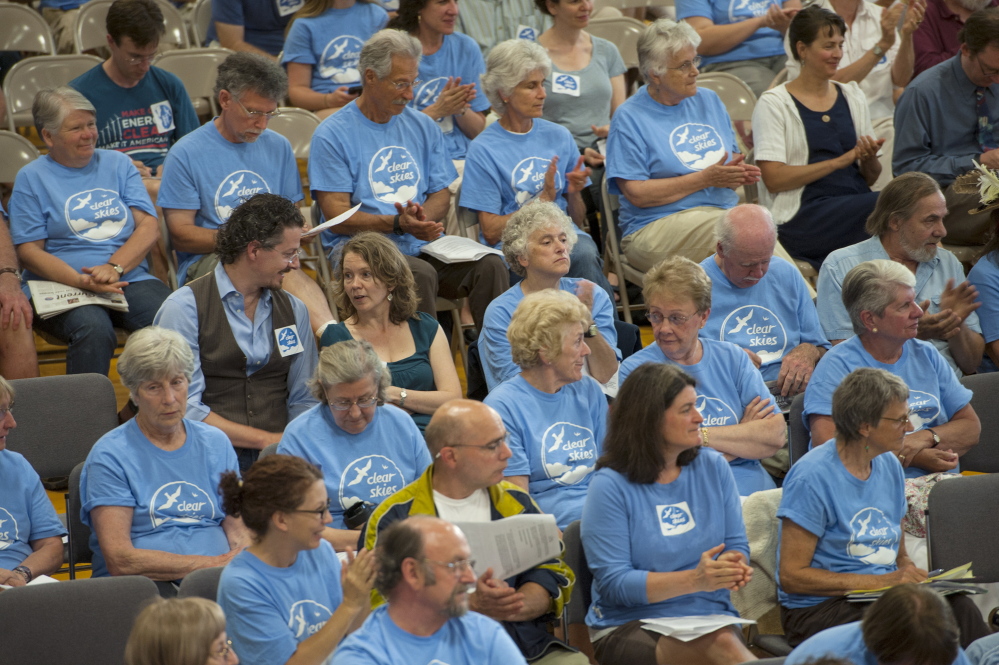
(259, 400)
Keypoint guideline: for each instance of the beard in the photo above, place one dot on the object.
(919, 253)
(457, 604)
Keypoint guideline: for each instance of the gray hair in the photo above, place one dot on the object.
(533, 217)
(377, 52)
(725, 226)
(154, 353)
(52, 105)
(400, 541)
(508, 64)
(871, 287)
(662, 40)
(899, 200)
(862, 399)
(242, 71)
(6, 390)
(347, 362)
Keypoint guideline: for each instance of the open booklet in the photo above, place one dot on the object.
(52, 298)
(513, 544)
(690, 628)
(945, 583)
(457, 249)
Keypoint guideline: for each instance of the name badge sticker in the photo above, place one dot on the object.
(288, 341)
(527, 32)
(565, 84)
(286, 7)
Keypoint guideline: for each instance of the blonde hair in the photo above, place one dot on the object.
(678, 276)
(539, 324)
(178, 631)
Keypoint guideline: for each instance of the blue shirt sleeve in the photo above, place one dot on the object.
(298, 45)
(179, 312)
(300, 399)
(832, 313)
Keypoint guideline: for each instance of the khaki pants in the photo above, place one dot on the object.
(884, 128)
(62, 24)
(452, 226)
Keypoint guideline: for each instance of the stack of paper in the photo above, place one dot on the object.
(457, 249)
(945, 583)
(690, 628)
(513, 544)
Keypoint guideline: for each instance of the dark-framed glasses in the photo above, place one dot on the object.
(320, 512)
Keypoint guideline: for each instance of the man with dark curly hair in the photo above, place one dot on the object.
(251, 340)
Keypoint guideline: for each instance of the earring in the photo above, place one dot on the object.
(389, 297)
(874, 329)
(867, 448)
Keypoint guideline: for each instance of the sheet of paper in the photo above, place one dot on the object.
(41, 579)
(689, 628)
(457, 249)
(512, 545)
(333, 222)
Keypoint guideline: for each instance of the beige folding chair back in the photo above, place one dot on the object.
(297, 125)
(30, 75)
(15, 153)
(197, 69)
(91, 26)
(622, 31)
(23, 29)
(201, 20)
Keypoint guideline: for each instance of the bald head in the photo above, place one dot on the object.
(453, 422)
(746, 236)
(417, 537)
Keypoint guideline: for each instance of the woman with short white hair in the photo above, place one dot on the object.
(150, 487)
(522, 157)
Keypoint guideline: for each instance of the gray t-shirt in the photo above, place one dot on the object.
(582, 98)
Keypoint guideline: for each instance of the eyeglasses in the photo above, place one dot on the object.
(319, 513)
(987, 71)
(142, 59)
(675, 320)
(223, 652)
(456, 568)
(344, 405)
(904, 420)
(685, 67)
(490, 447)
(5, 411)
(257, 114)
(290, 259)
(402, 85)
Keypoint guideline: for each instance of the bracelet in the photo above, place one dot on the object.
(396, 227)
(12, 271)
(704, 436)
(25, 572)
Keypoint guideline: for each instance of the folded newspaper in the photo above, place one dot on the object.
(457, 249)
(513, 544)
(52, 298)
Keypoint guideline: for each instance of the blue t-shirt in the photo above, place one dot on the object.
(985, 277)
(494, 347)
(857, 522)
(649, 140)
(770, 318)
(459, 55)
(207, 173)
(629, 530)
(174, 495)
(388, 455)
(331, 43)
(935, 394)
(269, 610)
(142, 121)
(764, 43)
(844, 642)
(26, 514)
(555, 440)
(263, 21)
(727, 382)
(84, 215)
(473, 639)
(379, 164)
(504, 171)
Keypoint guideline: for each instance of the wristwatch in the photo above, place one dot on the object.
(936, 437)
(25, 572)
(118, 268)
(402, 397)
(396, 226)
(878, 51)
(592, 331)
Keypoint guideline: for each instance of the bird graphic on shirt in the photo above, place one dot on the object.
(429, 94)
(526, 171)
(171, 499)
(863, 525)
(558, 441)
(683, 137)
(338, 49)
(235, 185)
(741, 323)
(2, 521)
(300, 620)
(361, 473)
(384, 163)
(84, 201)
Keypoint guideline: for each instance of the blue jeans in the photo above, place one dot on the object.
(585, 262)
(89, 330)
